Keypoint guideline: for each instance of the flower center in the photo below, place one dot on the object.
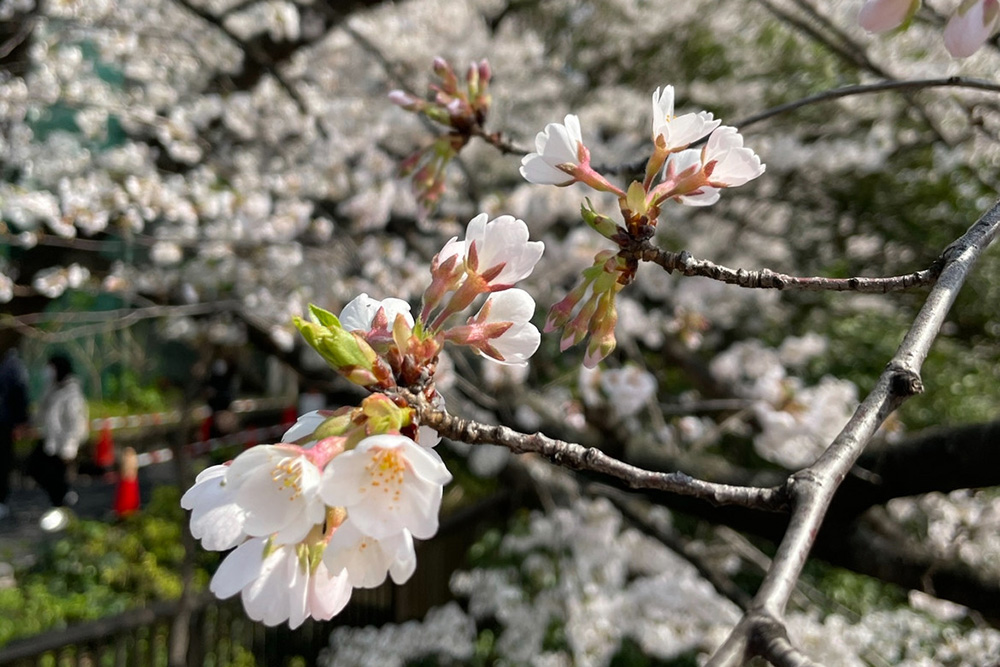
(288, 475)
(386, 473)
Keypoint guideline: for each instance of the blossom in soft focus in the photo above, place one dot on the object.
(970, 26)
(681, 131)
(882, 15)
(277, 487)
(558, 144)
(387, 483)
(497, 250)
(360, 313)
(216, 518)
(281, 583)
(513, 307)
(366, 560)
(627, 389)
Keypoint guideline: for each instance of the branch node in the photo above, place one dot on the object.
(905, 382)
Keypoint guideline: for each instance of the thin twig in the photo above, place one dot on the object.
(578, 457)
(685, 264)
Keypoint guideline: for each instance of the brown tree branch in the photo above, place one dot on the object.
(812, 489)
(683, 263)
(578, 457)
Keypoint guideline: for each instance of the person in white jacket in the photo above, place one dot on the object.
(64, 422)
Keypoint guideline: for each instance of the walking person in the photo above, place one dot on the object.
(13, 418)
(64, 422)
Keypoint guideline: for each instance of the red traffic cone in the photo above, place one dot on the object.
(127, 492)
(104, 452)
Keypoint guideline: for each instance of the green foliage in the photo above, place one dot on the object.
(97, 569)
(630, 654)
(854, 592)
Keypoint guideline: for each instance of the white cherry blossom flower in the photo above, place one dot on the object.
(727, 162)
(359, 314)
(681, 131)
(558, 143)
(515, 345)
(970, 26)
(279, 584)
(366, 560)
(501, 249)
(387, 483)
(278, 489)
(882, 15)
(216, 518)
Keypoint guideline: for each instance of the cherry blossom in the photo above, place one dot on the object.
(677, 132)
(281, 583)
(970, 26)
(366, 560)
(387, 483)
(216, 518)
(277, 487)
(497, 250)
(509, 313)
(558, 144)
(727, 162)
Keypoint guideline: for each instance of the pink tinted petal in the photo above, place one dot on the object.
(882, 15)
(328, 594)
(967, 30)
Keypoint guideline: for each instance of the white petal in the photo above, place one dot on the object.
(238, 569)
(305, 425)
(359, 313)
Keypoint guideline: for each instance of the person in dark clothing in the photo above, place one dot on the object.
(13, 418)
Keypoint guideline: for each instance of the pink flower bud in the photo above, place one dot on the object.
(882, 15)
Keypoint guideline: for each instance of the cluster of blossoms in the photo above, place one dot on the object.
(967, 30)
(338, 502)
(796, 421)
(462, 110)
(675, 171)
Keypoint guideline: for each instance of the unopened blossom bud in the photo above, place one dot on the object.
(970, 26)
(882, 15)
(449, 82)
(602, 224)
(405, 100)
(472, 79)
(602, 334)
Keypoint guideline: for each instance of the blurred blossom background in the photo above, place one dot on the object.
(179, 178)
